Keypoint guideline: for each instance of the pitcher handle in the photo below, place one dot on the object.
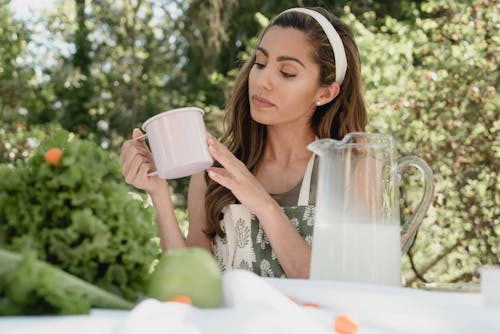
(409, 229)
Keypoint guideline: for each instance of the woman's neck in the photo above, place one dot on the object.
(285, 147)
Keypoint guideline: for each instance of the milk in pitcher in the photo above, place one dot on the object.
(357, 252)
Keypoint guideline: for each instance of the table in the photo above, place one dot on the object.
(253, 304)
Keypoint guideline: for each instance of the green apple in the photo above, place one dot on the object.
(191, 272)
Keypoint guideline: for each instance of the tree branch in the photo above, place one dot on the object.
(433, 263)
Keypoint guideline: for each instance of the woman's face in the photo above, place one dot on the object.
(283, 83)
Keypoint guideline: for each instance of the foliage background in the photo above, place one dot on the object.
(430, 71)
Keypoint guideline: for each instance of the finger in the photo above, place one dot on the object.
(131, 167)
(138, 176)
(144, 170)
(209, 136)
(221, 153)
(221, 176)
(131, 170)
(136, 133)
(124, 151)
(129, 146)
(131, 149)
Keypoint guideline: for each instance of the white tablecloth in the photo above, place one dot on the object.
(262, 305)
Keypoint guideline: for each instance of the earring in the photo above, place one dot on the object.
(318, 103)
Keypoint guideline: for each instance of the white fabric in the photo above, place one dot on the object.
(260, 305)
(398, 309)
(333, 37)
(97, 322)
(237, 219)
(305, 187)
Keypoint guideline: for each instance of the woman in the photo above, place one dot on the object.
(252, 209)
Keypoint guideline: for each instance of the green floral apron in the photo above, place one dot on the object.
(246, 246)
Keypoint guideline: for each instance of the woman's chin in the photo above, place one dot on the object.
(262, 117)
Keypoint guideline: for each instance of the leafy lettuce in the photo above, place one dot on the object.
(79, 217)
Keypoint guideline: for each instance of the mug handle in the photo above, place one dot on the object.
(409, 229)
(142, 138)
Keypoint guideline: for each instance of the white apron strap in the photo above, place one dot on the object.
(306, 184)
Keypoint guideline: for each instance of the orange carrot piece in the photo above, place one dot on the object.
(345, 325)
(311, 305)
(181, 299)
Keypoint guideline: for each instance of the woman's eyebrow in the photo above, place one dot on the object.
(281, 58)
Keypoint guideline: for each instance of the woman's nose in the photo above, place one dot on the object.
(264, 79)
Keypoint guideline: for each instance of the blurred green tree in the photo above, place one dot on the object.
(76, 117)
(430, 71)
(14, 76)
(17, 86)
(433, 83)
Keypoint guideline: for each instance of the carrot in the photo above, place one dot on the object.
(311, 305)
(53, 156)
(181, 299)
(345, 325)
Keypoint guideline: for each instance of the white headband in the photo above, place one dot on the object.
(333, 37)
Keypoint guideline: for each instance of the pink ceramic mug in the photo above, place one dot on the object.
(178, 142)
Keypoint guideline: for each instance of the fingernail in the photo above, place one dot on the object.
(136, 133)
(211, 174)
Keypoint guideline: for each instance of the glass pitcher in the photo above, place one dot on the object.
(358, 235)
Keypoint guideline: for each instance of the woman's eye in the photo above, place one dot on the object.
(287, 75)
(259, 65)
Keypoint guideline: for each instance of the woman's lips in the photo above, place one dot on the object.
(261, 102)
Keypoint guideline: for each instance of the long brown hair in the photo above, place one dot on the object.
(246, 139)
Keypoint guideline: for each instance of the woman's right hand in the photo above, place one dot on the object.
(137, 161)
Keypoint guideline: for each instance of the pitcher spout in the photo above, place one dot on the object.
(322, 146)
(325, 145)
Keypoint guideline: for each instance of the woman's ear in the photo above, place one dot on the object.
(326, 94)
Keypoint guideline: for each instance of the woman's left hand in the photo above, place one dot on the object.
(292, 251)
(235, 176)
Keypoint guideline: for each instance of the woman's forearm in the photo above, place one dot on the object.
(166, 222)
